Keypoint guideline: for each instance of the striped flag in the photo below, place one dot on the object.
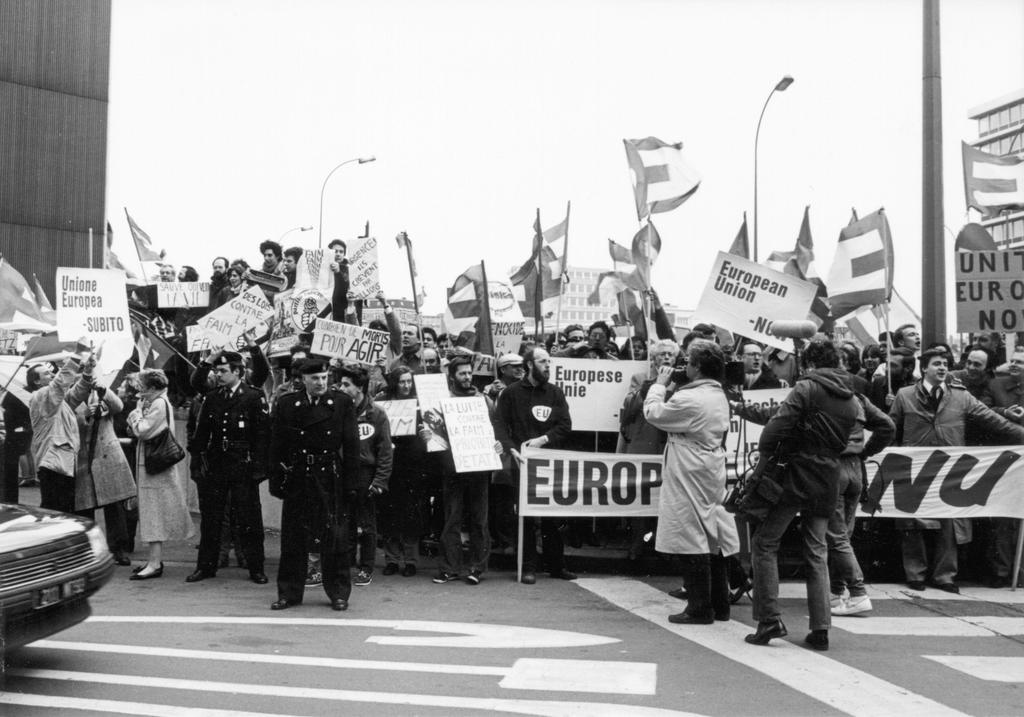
(45, 307)
(619, 253)
(741, 244)
(662, 179)
(19, 307)
(992, 183)
(149, 257)
(466, 307)
(645, 239)
(800, 263)
(861, 273)
(537, 284)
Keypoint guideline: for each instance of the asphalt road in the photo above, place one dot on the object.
(597, 646)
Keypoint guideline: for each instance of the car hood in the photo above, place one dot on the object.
(22, 526)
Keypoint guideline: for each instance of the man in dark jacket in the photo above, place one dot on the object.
(534, 411)
(375, 459)
(230, 440)
(808, 433)
(756, 375)
(314, 446)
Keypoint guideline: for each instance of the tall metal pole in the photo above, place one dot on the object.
(933, 241)
(320, 227)
(780, 86)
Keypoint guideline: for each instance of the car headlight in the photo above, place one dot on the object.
(97, 541)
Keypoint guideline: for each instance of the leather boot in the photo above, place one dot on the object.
(697, 572)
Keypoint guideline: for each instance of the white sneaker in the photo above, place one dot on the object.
(836, 601)
(853, 606)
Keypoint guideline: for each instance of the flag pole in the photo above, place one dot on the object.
(412, 272)
(487, 315)
(538, 280)
(90, 247)
(565, 272)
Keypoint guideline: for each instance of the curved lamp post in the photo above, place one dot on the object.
(293, 229)
(320, 228)
(779, 87)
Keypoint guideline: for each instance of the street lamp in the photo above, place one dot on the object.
(361, 160)
(293, 229)
(779, 87)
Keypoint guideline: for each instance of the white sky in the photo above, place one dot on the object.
(225, 117)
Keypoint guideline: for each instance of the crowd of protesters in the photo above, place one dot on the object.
(397, 495)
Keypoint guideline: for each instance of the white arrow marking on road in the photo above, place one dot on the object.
(993, 669)
(968, 626)
(546, 708)
(840, 686)
(605, 677)
(461, 634)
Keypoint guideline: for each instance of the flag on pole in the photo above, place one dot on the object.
(800, 263)
(463, 316)
(19, 307)
(538, 282)
(619, 253)
(662, 179)
(992, 183)
(45, 307)
(404, 242)
(741, 244)
(149, 257)
(861, 273)
(647, 239)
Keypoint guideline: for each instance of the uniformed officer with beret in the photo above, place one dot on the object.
(314, 445)
(231, 439)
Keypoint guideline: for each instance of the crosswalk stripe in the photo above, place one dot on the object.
(939, 626)
(545, 708)
(55, 702)
(992, 669)
(840, 686)
(899, 591)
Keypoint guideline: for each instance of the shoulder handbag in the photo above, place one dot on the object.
(162, 450)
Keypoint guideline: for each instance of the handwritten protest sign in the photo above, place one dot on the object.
(363, 268)
(182, 294)
(8, 341)
(225, 326)
(470, 434)
(746, 298)
(432, 390)
(348, 341)
(483, 365)
(92, 303)
(283, 333)
(594, 389)
(990, 290)
(507, 324)
(405, 316)
(744, 435)
(401, 416)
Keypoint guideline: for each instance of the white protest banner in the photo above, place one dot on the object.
(990, 290)
(249, 311)
(182, 294)
(507, 323)
(483, 365)
(559, 483)
(8, 341)
(594, 389)
(948, 482)
(431, 390)
(745, 435)
(470, 434)
(92, 303)
(746, 298)
(314, 283)
(363, 268)
(406, 317)
(348, 341)
(401, 416)
(283, 335)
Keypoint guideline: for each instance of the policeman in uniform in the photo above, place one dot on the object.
(231, 439)
(314, 445)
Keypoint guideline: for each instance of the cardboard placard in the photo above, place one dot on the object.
(594, 389)
(349, 342)
(225, 326)
(990, 291)
(470, 434)
(401, 415)
(182, 294)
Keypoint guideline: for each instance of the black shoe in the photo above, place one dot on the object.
(528, 578)
(767, 631)
(998, 581)
(224, 561)
(258, 576)
(284, 604)
(686, 618)
(915, 584)
(563, 574)
(735, 595)
(409, 570)
(818, 639)
(947, 587)
(339, 604)
(198, 575)
(158, 573)
(121, 559)
(678, 593)
(723, 616)
(390, 569)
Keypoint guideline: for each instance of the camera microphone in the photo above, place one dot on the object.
(793, 329)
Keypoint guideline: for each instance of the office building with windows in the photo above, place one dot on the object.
(1001, 132)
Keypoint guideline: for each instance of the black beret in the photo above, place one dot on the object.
(228, 357)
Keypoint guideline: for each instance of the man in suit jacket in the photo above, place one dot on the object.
(231, 439)
(314, 446)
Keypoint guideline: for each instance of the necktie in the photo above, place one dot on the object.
(936, 395)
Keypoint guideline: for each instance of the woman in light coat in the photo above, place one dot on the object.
(163, 510)
(691, 520)
(103, 477)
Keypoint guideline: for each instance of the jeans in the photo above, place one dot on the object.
(765, 554)
(462, 492)
(844, 567)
